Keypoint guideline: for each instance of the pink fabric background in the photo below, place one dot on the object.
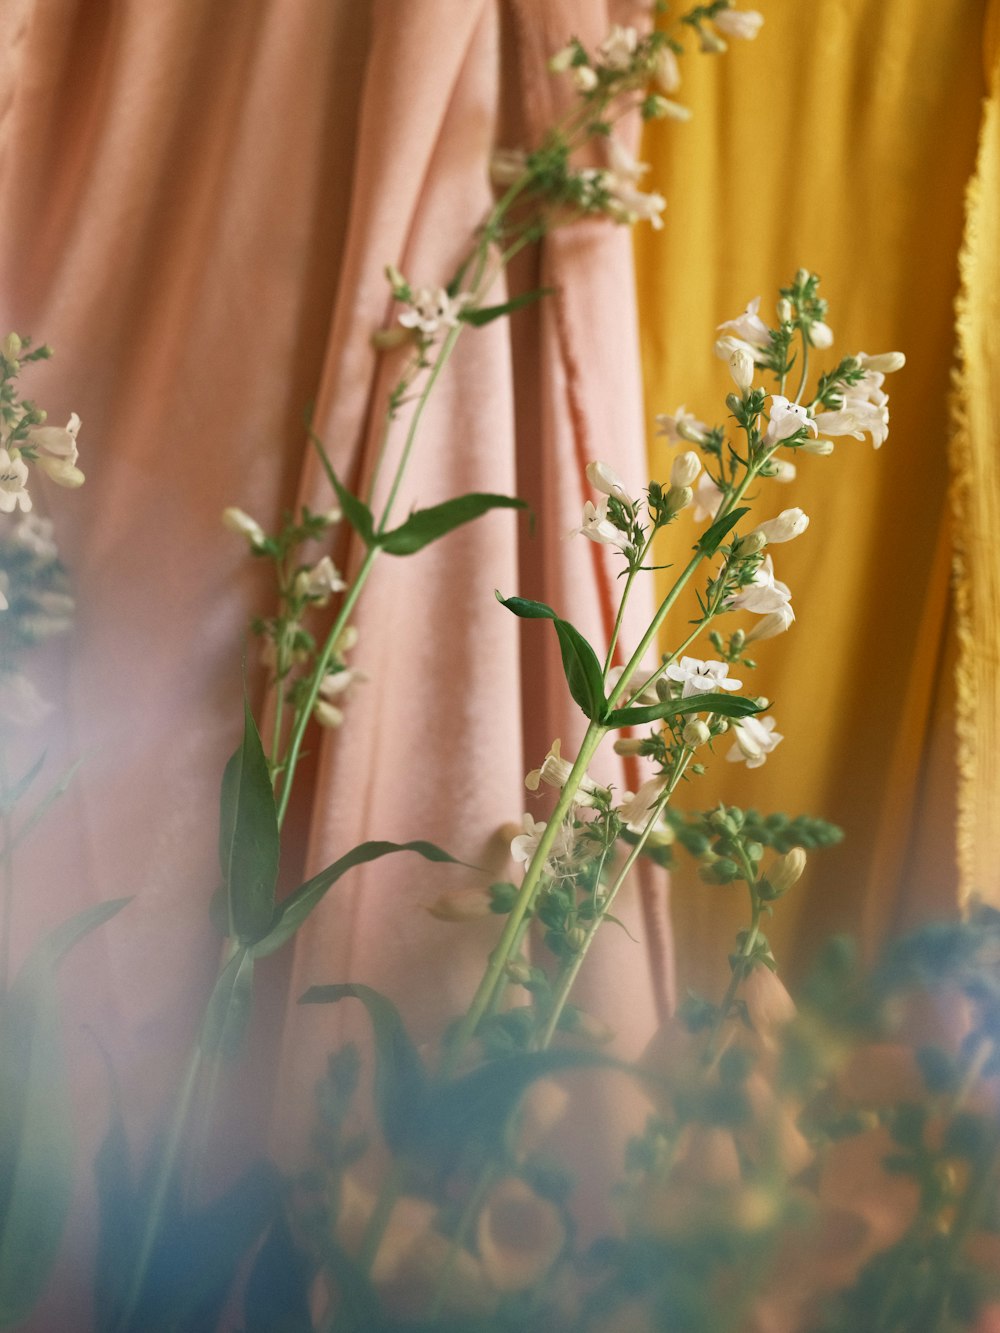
(198, 202)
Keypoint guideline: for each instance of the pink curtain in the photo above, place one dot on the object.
(198, 203)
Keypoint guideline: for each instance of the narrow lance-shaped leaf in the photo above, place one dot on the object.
(228, 1009)
(426, 525)
(356, 511)
(400, 1078)
(486, 314)
(711, 538)
(249, 839)
(729, 705)
(581, 667)
(296, 907)
(36, 1147)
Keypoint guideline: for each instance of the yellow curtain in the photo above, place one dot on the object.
(842, 140)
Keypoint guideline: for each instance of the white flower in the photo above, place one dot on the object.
(319, 581)
(327, 714)
(563, 59)
(744, 24)
(785, 419)
(749, 326)
(683, 425)
(741, 368)
(821, 335)
(335, 684)
(635, 808)
(664, 109)
(820, 447)
(728, 344)
(584, 78)
(686, 467)
(701, 677)
(789, 523)
(524, 846)
(707, 497)
(430, 309)
(20, 703)
(13, 483)
(555, 772)
(884, 363)
(56, 452)
(598, 527)
(667, 70)
(605, 479)
(236, 520)
(780, 469)
(629, 205)
(755, 738)
(771, 624)
(856, 418)
(764, 594)
(644, 693)
(35, 535)
(618, 48)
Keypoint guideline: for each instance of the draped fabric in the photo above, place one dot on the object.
(198, 203)
(842, 142)
(976, 492)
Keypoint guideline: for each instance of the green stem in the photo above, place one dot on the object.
(525, 899)
(805, 368)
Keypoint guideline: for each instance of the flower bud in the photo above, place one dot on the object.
(662, 108)
(787, 870)
(667, 71)
(696, 733)
(576, 938)
(461, 905)
(885, 363)
(821, 447)
(11, 348)
(711, 43)
(584, 78)
(780, 470)
(687, 431)
(741, 369)
(562, 60)
(784, 310)
(605, 479)
(789, 523)
(677, 498)
(397, 282)
(236, 520)
(734, 402)
(685, 469)
(628, 745)
(518, 971)
(775, 622)
(820, 335)
(327, 715)
(752, 543)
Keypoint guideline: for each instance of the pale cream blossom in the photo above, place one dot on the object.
(743, 24)
(685, 468)
(56, 451)
(754, 738)
(318, 582)
(683, 425)
(618, 48)
(763, 594)
(785, 419)
(13, 482)
(708, 497)
(789, 524)
(749, 326)
(237, 520)
(431, 309)
(698, 677)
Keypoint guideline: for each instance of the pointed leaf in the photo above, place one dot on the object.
(711, 538)
(486, 314)
(426, 525)
(296, 907)
(581, 667)
(400, 1077)
(728, 705)
(356, 511)
(228, 1009)
(36, 1146)
(249, 842)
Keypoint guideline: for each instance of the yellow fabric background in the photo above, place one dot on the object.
(842, 140)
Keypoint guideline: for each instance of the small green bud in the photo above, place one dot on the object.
(576, 937)
(787, 870)
(518, 971)
(677, 498)
(751, 544)
(696, 733)
(735, 403)
(11, 348)
(737, 641)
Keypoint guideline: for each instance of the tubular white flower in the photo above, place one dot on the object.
(728, 344)
(598, 527)
(749, 326)
(56, 451)
(785, 418)
(700, 677)
(771, 624)
(13, 482)
(431, 309)
(683, 425)
(618, 48)
(605, 479)
(685, 469)
(743, 24)
(883, 363)
(754, 740)
(789, 523)
(555, 772)
(821, 335)
(707, 498)
(764, 595)
(320, 581)
(237, 520)
(635, 808)
(667, 70)
(741, 368)
(628, 205)
(856, 418)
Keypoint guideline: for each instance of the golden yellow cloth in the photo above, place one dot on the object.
(977, 504)
(842, 140)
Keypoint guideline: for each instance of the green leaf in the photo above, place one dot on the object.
(249, 841)
(228, 1009)
(356, 511)
(711, 539)
(36, 1144)
(581, 667)
(13, 794)
(426, 525)
(728, 705)
(296, 907)
(400, 1078)
(486, 314)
